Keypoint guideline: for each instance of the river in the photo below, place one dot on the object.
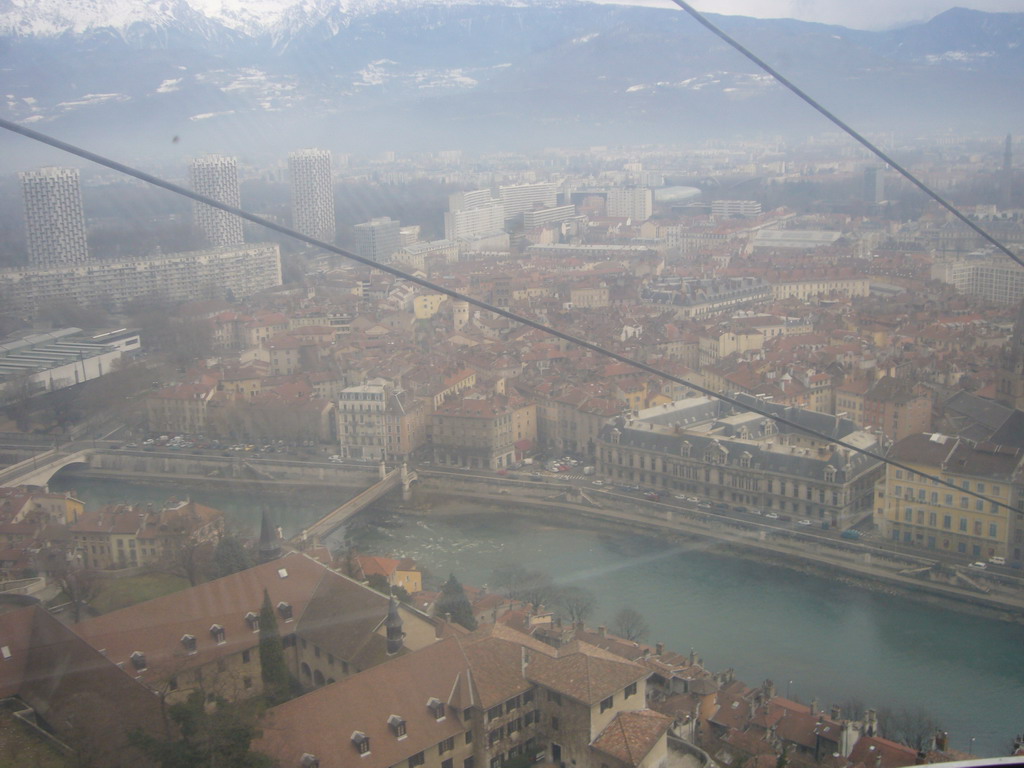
(814, 638)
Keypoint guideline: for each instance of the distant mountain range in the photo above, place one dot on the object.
(177, 77)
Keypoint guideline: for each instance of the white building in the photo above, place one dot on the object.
(636, 203)
(474, 223)
(312, 193)
(62, 358)
(242, 270)
(541, 216)
(378, 239)
(216, 177)
(735, 208)
(54, 221)
(986, 278)
(520, 198)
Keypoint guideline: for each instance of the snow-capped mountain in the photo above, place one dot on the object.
(349, 73)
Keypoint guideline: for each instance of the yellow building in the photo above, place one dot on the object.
(915, 511)
(426, 306)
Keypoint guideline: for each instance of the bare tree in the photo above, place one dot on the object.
(533, 587)
(577, 602)
(80, 585)
(630, 624)
(914, 727)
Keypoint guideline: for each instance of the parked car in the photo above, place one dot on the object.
(979, 565)
(803, 522)
(772, 515)
(850, 533)
(996, 560)
(652, 495)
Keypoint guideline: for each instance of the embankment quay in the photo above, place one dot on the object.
(877, 564)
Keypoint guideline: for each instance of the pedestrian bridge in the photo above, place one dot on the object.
(333, 520)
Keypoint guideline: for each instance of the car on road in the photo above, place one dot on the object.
(652, 495)
(995, 560)
(979, 565)
(803, 522)
(535, 476)
(680, 497)
(772, 515)
(597, 482)
(850, 533)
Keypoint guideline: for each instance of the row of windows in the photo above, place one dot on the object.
(965, 484)
(947, 522)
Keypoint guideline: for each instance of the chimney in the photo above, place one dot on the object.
(659, 648)
(602, 631)
(941, 740)
(836, 712)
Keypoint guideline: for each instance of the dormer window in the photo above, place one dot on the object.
(252, 620)
(138, 659)
(361, 742)
(218, 634)
(436, 708)
(309, 761)
(189, 641)
(397, 725)
(284, 610)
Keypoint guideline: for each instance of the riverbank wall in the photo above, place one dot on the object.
(555, 503)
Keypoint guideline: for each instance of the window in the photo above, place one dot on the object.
(469, 737)
(468, 762)
(417, 759)
(630, 690)
(606, 704)
(493, 713)
(446, 746)
(511, 704)
(218, 635)
(554, 723)
(246, 656)
(496, 735)
(397, 725)
(449, 763)
(555, 697)
(361, 742)
(515, 725)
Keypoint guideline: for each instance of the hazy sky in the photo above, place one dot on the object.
(858, 14)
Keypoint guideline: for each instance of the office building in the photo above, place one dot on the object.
(54, 221)
(312, 193)
(378, 239)
(217, 177)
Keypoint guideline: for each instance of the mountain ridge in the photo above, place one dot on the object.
(456, 74)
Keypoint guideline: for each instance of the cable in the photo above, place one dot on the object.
(456, 295)
(703, 21)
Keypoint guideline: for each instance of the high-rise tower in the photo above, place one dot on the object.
(378, 239)
(312, 193)
(217, 177)
(54, 221)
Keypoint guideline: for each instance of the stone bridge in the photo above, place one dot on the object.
(40, 468)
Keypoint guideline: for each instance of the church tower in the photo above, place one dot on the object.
(270, 547)
(393, 624)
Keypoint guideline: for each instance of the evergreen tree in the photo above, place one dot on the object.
(453, 600)
(217, 738)
(276, 682)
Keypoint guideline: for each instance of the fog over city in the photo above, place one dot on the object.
(489, 384)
